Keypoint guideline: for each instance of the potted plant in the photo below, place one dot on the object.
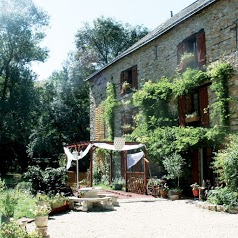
(174, 167)
(192, 117)
(164, 190)
(118, 183)
(125, 88)
(195, 189)
(186, 60)
(8, 202)
(42, 199)
(41, 213)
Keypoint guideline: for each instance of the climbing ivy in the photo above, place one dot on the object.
(157, 121)
(164, 139)
(219, 75)
(108, 109)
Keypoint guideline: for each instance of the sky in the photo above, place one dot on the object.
(68, 16)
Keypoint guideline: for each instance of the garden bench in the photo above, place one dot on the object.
(88, 203)
(114, 197)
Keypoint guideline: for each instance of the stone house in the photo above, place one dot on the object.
(206, 28)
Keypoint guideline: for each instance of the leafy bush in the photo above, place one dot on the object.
(14, 230)
(8, 202)
(223, 196)
(25, 204)
(226, 164)
(48, 180)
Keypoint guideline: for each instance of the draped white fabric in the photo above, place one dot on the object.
(111, 147)
(133, 159)
(106, 146)
(70, 156)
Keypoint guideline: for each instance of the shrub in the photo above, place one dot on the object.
(48, 180)
(223, 196)
(226, 164)
(14, 230)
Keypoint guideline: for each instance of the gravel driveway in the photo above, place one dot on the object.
(145, 218)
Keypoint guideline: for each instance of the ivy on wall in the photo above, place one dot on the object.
(108, 110)
(163, 139)
(157, 124)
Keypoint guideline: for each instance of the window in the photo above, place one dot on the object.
(195, 47)
(129, 80)
(128, 121)
(193, 108)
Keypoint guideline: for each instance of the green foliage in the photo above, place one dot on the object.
(174, 166)
(106, 39)
(108, 109)
(157, 127)
(22, 30)
(2, 185)
(219, 75)
(46, 181)
(223, 196)
(188, 81)
(8, 202)
(14, 230)
(25, 204)
(226, 164)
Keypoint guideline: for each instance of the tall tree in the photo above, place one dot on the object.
(106, 39)
(22, 27)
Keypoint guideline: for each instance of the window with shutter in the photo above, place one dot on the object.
(192, 52)
(129, 80)
(99, 124)
(128, 120)
(193, 108)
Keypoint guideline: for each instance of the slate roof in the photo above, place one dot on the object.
(161, 29)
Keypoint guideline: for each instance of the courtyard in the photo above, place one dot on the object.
(145, 216)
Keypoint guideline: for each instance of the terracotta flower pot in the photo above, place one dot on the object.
(164, 193)
(195, 192)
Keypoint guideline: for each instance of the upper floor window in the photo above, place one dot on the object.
(192, 51)
(193, 108)
(128, 123)
(129, 80)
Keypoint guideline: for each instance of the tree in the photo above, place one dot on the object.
(106, 39)
(22, 27)
(174, 166)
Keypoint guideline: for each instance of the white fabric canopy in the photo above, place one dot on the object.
(111, 147)
(133, 159)
(70, 156)
(106, 146)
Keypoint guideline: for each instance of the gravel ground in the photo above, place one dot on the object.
(145, 218)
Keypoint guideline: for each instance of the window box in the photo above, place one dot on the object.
(192, 118)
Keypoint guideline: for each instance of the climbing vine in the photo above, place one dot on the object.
(154, 99)
(157, 120)
(219, 75)
(108, 109)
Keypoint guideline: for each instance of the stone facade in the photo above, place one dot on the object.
(158, 57)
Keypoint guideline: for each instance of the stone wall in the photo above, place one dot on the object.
(159, 57)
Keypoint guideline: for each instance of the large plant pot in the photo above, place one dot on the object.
(41, 221)
(118, 187)
(195, 193)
